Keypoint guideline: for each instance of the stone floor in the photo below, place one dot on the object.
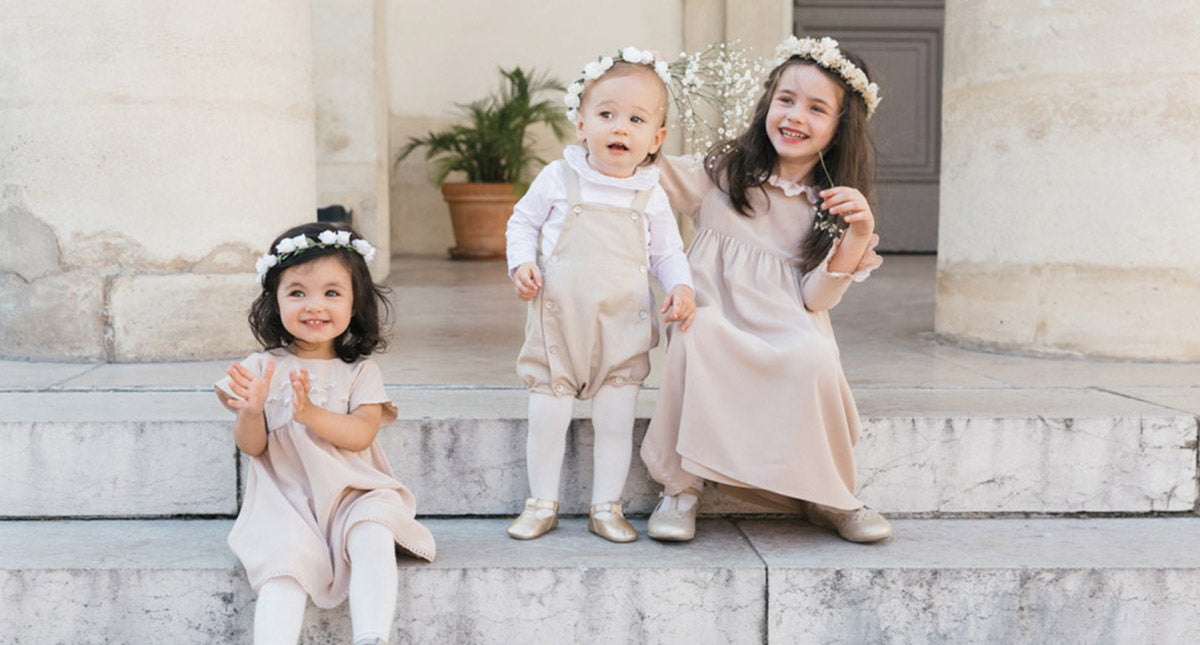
(458, 325)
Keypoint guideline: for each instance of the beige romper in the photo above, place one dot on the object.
(592, 323)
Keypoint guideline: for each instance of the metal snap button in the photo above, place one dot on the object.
(554, 349)
(576, 210)
(642, 315)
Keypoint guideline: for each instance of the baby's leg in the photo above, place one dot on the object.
(279, 612)
(373, 580)
(613, 410)
(549, 418)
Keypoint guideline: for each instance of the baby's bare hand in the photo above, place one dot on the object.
(527, 280)
(681, 302)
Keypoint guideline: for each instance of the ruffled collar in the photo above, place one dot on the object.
(644, 177)
(792, 188)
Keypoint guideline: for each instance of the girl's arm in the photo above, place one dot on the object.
(852, 258)
(354, 431)
(250, 427)
(685, 182)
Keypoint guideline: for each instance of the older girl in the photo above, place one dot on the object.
(754, 397)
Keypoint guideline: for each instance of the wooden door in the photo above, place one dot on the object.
(901, 42)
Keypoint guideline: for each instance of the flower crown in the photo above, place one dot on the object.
(825, 52)
(596, 69)
(289, 246)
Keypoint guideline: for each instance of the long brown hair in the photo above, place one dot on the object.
(746, 162)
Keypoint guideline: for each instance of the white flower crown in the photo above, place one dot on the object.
(596, 69)
(825, 53)
(289, 246)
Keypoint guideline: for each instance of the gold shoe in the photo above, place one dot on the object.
(860, 525)
(671, 524)
(528, 525)
(614, 528)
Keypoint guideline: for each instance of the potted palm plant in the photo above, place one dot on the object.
(493, 149)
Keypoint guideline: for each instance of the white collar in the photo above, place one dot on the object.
(792, 188)
(643, 178)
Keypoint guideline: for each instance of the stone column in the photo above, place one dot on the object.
(151, 151)
(350, 85)
(1070, 178)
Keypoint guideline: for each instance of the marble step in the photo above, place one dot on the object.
(740, 581)
(151, 453)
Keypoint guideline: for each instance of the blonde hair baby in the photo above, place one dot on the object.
(581, 243)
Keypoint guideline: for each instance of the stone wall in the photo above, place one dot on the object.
(151, 151)
(1069, 184)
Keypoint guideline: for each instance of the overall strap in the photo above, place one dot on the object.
(571, 183)
(640, 200)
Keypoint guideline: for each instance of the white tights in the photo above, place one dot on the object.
(279, 611)
(613, 409)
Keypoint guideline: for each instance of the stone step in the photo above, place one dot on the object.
(149, 453)
(740, 581)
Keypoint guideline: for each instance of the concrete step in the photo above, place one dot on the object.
(149, 453)
(740, 581)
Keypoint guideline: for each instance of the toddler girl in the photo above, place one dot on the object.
(603, 224)
(322, 513)
(754, 397)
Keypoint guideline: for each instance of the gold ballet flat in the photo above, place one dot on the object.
(614, 528)
(528, 525)
(860, 525)
(671, 524)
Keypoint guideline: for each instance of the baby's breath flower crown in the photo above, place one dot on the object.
(289, 246)
(825, 52)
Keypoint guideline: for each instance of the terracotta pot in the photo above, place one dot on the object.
(479, 213)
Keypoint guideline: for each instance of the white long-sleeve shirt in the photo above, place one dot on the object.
(543, 209)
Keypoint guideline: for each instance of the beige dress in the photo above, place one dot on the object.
(303, 494)
(753, 395)
(592, 324)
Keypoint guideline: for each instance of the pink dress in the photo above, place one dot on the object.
(753, 395)
(304, 494)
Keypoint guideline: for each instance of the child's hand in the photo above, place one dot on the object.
(252, 389)
(301, 405)
(527, 279)
(852, 206)
(682, 304)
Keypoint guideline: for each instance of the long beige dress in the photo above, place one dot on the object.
(753, 394)
(303, 494)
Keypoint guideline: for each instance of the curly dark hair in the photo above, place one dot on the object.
(364, 335)
(746, 162)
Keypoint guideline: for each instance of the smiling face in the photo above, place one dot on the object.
(622, 120)
(802, 119)
(316, 303)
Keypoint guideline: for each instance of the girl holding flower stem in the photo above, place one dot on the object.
(754, 397)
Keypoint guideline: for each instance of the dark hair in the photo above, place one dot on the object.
(625, 68)
(364, 334)
(746, 162)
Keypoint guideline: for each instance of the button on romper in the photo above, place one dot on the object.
(592, 322)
